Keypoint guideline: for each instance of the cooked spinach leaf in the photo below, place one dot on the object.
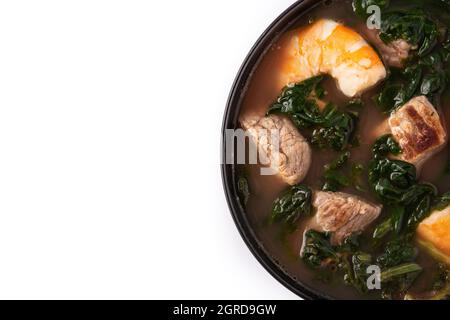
(386, 145)
(442, 202)
(340, 174)
(339, 162)
(320, 91)
(332, 128)
(297, 102)
(397, 218)
(396, 185)
(433, 60)
(243, 190)
(395, 222)
(355, 272)
(413, 26)
(291, 206)
(336, 129)
(427, 75)
(404, 85)
(386, 99)
(397, 280)
(440, 288)
(394, 93)
(398, 251)
(396, 262)
(445, 51)
(412, 76)
(382, 229)
(334, 179)
(318, 253)
(317, 249)
(394, 272)
(391, 179)
(418, 200)
(432, 83)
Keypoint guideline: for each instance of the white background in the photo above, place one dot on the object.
(110, 117)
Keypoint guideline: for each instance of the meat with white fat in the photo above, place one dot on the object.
(394, 53)
(289, 154)
(342, 214)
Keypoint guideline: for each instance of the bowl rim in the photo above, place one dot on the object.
(276, 28)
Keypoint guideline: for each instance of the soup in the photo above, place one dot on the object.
(353, 212)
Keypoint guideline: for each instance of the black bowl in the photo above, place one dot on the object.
(283, 23)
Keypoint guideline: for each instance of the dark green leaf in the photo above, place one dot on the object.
(442, 202)
(413, 76)
(339, 162)
(397, 218)
(335, 131)
(386, 99)
(338, 174)
(396, 252)
(356, 272)
(320, 91)
(292, 205)
(383, 229)
(420, 211)
(296, 102)
(317, 248)
(391, 178)
(386, 145)
(333, 128)
(412, 26)
(335, 180)
(318, 253)
(397, 280)
(418, 191)
(394, 223)
(432, 83)
(244, 190)
(433, 60)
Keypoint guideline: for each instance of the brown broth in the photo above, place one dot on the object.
(262, 91)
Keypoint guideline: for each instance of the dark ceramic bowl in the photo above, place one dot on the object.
(283, 23)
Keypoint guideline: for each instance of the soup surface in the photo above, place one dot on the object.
(286, 245)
